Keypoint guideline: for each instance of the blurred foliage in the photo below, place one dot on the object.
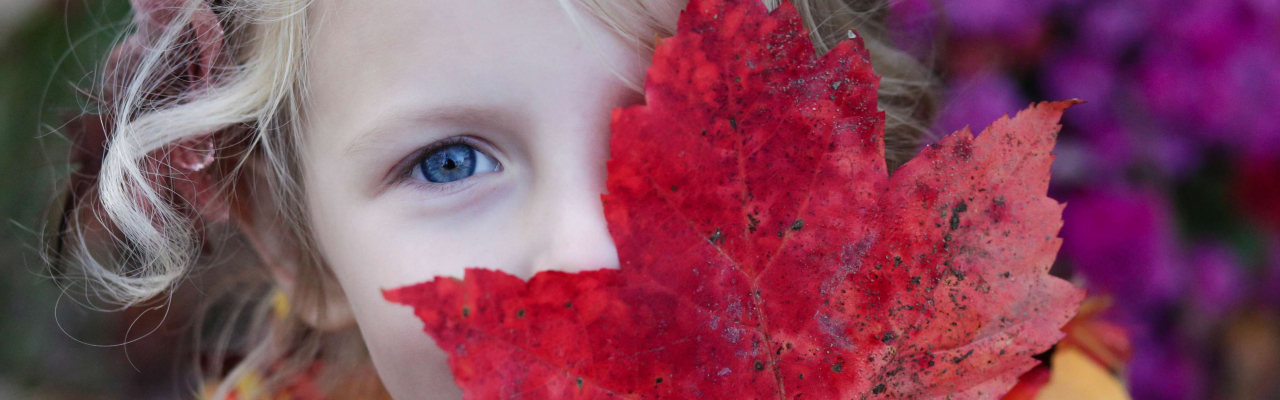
(43, 62)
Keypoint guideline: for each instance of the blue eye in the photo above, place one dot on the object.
(455, 162)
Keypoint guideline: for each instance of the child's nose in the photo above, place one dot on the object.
(570, 232)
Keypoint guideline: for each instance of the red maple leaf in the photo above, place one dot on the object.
(767, 253)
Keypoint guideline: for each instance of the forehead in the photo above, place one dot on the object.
(378, 38)
(365, 57)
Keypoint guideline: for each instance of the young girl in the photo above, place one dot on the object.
(354, 146)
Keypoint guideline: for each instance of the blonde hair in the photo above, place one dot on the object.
(153, 244)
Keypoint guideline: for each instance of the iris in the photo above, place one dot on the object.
(455, 162)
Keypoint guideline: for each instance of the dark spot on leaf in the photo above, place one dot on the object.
(579, 382)
(752, 223)
(963, 149)
(878, 389)
(466, 311)
(888, 337)
(659, 380)
(838, 367)
(568, 305)
(733, 122)
(717, 237)
(520, 313)
(955, 214)
(957, 360)
(798, 225)
(759, 365)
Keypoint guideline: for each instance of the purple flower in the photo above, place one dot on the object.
(1111, 147)
(1209, 29)
(1255, 83)
(1006, 19)
(1161, 371)
(1121, 242)
(1111, 27)
(913, 25)
(1209, 74)
(1174, 87)
(1216, 285)
(1175, 156)
(1080, 75)
(913, 11)
(978, 101)
(1266, 9)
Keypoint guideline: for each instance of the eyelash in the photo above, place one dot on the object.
(407, 170)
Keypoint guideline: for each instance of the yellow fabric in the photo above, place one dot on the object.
(1075, 376)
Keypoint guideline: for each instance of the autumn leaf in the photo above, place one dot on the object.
(767, 253)
(1085, 362)
(1075, 375)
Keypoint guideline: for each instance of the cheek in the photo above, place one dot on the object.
(391, 241)
(407, 360)
(398, 239)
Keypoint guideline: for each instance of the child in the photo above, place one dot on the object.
(358, 146)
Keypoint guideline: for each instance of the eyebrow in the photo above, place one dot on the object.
(472, 115)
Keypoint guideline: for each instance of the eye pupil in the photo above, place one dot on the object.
(450, 163)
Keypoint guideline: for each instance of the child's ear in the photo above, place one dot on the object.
(312, 292)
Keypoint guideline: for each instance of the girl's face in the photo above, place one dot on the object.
(451, 134)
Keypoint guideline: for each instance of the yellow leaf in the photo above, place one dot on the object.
(1077, 376)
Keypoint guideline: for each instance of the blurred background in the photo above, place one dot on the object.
(1171, 172)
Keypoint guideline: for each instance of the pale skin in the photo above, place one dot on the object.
(514, 86)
